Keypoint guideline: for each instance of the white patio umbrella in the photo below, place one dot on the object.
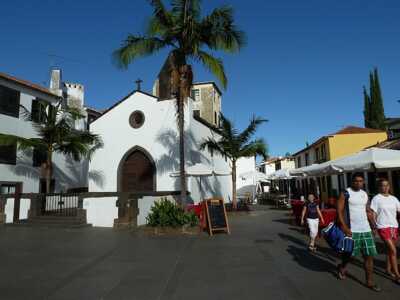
(200, 170)
(286, 175)
(280, 174)
(303, 171)
(368, 159)
(373, 158)
(256, 177)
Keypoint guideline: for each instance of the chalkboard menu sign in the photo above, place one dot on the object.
(216, 216)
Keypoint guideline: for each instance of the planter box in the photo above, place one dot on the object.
(183, 230)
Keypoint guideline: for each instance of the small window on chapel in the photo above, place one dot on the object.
(136, 119)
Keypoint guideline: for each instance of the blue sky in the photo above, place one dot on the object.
(303, 67)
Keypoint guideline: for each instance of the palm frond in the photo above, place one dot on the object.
(219, 31)
(79, 144)
(256, 147)
(213, 146)
(135, 47)
(25, 113)
(227, 127)
(155, 28)
(73, 113)
(186, 9)
(255, 122)
(23, 144)
(214, 65)
(163, 16)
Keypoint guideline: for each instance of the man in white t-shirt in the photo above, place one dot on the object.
(386, 207)
(355, 223)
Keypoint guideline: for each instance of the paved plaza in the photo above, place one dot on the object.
(265, 257)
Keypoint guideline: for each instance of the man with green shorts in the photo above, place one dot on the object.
(358, 227)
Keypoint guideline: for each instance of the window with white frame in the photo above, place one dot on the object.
(196, 94)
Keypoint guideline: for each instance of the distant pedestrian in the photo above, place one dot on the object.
(358, 227)
(312, 213)
(385, 208)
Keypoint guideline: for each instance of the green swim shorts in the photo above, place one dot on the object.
(364, 244)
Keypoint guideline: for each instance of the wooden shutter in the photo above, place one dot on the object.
(8, 154)
(9, 101)
(35, 111)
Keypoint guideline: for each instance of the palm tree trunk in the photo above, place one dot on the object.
(181, 125)
(234, 196)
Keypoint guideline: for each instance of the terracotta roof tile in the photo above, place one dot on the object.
(355, 129)
(27, 84)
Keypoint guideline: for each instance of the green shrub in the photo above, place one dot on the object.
(166, 213)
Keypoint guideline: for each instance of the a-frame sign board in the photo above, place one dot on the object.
(216, 217)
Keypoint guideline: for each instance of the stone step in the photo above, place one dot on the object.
(51, 225)
(57, 220)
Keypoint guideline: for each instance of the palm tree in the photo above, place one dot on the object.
(188, 35)
(234, 145)
(54, 126)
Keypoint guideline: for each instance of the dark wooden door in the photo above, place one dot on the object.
(137, 173)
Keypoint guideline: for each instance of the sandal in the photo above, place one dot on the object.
(341, 274)
(375, 288)
(392, 275)
(397, 280)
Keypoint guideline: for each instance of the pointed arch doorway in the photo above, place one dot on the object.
(137, 172)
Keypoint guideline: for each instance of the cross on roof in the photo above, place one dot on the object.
(138, 84)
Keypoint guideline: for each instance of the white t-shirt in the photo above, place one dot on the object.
(358, 201)
(386, 208)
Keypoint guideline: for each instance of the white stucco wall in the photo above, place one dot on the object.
(101, 212)
(68, 173)
(159, 137)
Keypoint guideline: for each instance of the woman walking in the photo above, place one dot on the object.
(385, 208)
(312, 213)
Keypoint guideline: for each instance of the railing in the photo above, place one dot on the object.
(59, 204)
(71, 204)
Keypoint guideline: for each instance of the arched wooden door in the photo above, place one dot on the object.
(138, 173)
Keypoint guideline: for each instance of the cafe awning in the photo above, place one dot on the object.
(369, 159)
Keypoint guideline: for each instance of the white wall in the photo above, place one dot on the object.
(269, 168)
(101, 212)
(159, 137)
(287, 164)
(68, 174)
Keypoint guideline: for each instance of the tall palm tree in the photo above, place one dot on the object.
(233, 145)
(182, 29)
(56, 133)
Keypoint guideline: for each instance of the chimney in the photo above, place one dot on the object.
(55, 81)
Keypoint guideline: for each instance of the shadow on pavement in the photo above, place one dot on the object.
(285, 221)
(317, 262)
